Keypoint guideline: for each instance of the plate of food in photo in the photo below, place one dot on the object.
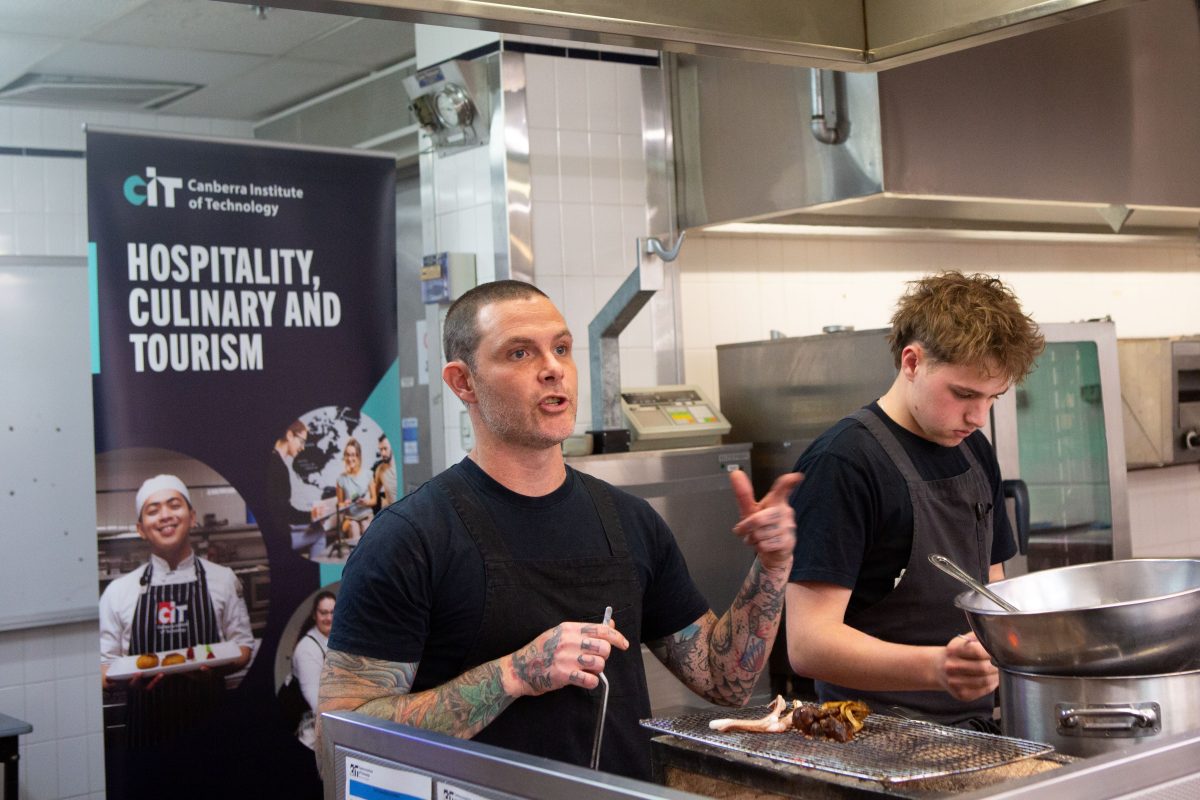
(183, 659)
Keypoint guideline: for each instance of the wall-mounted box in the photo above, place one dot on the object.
(446, 276)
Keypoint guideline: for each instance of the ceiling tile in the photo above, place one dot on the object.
(63, 18)
(266, 90)
(249, 67)
(368, 42)
(217, 27)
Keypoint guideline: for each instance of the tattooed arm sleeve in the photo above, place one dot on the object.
(721, 659)
(461, 707)
(569, 654)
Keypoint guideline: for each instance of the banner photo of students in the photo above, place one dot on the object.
(246, 398)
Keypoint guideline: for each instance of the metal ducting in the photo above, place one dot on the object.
(1090, 127)
(832, 34)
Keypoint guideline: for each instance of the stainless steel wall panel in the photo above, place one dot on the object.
(781, 394)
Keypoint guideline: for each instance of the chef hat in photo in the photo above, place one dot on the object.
(157, 484)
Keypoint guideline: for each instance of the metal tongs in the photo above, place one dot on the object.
(959, 574)
(599, 735)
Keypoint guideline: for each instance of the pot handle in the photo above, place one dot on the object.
(1132, 719)
(1019, 492)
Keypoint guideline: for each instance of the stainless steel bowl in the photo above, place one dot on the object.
(1130, 617)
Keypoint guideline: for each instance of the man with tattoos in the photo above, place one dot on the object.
(474, 605)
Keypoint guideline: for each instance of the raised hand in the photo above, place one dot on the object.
(768, 525)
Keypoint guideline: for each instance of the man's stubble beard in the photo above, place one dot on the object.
(509, 423)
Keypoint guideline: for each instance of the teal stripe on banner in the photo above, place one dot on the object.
(383, 406)
(362, 791)
(94, 306)
(331, 573)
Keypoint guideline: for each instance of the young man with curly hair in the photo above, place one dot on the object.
(868, 617)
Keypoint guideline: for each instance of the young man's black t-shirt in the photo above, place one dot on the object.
(413, 590)
(854, 518)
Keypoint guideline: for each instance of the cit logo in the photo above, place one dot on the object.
(139, 190)
(171, 614)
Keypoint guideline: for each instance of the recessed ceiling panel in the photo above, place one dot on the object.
(127, 61)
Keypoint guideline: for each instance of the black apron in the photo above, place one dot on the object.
(951, 516)
(172, 617)
(523, 599)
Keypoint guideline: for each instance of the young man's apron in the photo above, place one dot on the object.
(172, 617)
(524, 599)
(951, 516)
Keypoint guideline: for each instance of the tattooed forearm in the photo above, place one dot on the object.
(461, 707)
(532, 665)
(721, 659)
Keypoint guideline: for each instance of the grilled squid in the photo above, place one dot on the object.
(777, 721)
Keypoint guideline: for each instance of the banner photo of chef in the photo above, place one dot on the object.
(246, 398)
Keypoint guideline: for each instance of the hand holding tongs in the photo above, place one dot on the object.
(599, 735)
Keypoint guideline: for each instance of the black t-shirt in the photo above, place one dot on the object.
(854, 517)
(413, 590)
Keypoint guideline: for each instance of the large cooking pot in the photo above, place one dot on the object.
(1130, 617)
(1089, 716)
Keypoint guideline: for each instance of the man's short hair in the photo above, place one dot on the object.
(967, 320)
(460, 337)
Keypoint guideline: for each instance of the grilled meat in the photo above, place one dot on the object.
(838, 720)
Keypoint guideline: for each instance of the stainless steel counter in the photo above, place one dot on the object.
(362, 748)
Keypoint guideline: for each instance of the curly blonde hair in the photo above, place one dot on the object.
(967, 320)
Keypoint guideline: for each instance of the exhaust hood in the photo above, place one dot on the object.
(1087, 127)
(833, 34)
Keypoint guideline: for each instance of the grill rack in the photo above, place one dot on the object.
(889, 750)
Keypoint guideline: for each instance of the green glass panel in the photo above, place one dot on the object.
(1062, 443)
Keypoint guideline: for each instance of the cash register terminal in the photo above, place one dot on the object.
(662, 417)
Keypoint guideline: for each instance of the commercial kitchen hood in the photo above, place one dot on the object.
(1091, 126)
(834, 34)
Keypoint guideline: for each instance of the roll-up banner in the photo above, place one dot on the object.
(246, 397)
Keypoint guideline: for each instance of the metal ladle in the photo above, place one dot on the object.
(955, 571)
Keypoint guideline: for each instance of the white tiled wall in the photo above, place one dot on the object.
(588, 205)
(588, 191)
(739, 288)
(43, 206)
(50, 676)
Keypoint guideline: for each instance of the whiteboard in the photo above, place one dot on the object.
(48, 566)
